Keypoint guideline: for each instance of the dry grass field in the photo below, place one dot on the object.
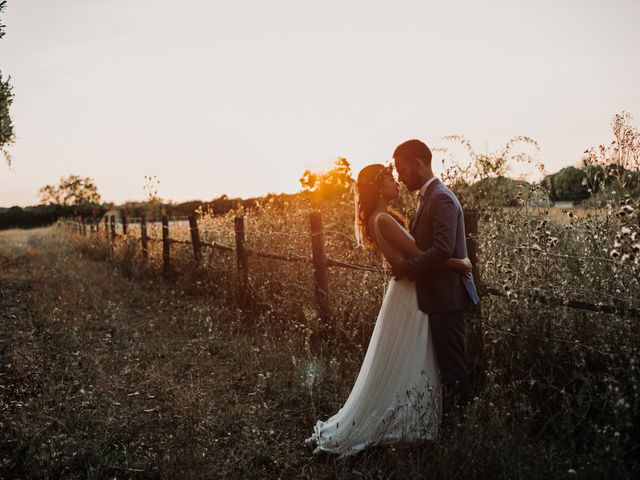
(109, 370)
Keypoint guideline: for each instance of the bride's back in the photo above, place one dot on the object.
(388, 251)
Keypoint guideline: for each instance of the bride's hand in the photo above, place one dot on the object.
(468, 267)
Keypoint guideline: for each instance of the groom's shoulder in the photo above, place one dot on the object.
(442, 190)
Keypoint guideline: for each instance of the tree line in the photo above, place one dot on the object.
(77, 196)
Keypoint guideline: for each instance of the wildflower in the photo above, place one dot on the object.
(627, 209)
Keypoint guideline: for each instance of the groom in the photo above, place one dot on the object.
(445, 295)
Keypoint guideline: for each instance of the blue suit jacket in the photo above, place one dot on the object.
(438, 228)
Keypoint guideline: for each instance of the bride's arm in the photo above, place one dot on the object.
(397, 236)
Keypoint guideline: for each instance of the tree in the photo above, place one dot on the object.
(338, 180)
(7, 135)
(78, 193)
(569, 184)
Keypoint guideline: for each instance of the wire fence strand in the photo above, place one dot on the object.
(620, 308)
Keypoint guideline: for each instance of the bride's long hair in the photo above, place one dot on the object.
(366, 195)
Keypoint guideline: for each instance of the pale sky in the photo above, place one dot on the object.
(240, 97)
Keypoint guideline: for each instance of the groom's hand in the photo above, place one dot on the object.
(396, 269)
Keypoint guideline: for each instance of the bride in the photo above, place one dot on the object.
(396, 396)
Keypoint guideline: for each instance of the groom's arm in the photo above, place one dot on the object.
(445, 213)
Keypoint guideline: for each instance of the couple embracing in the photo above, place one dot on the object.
(415, 368)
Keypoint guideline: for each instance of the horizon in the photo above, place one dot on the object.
(240, 99)
(166, 201)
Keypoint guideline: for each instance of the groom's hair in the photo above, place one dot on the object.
(412, 149)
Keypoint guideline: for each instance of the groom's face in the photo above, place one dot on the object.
(409, 172)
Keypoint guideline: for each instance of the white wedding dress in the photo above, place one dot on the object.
(396, 396)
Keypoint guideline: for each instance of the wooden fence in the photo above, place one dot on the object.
(319, 260)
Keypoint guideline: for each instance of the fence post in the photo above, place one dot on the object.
(166, 246)
(195, 238)
(124, 224)
(241, 259)
(475, 339)
(320, 268)
(111, 235)
(106, 232)
(144, 239)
